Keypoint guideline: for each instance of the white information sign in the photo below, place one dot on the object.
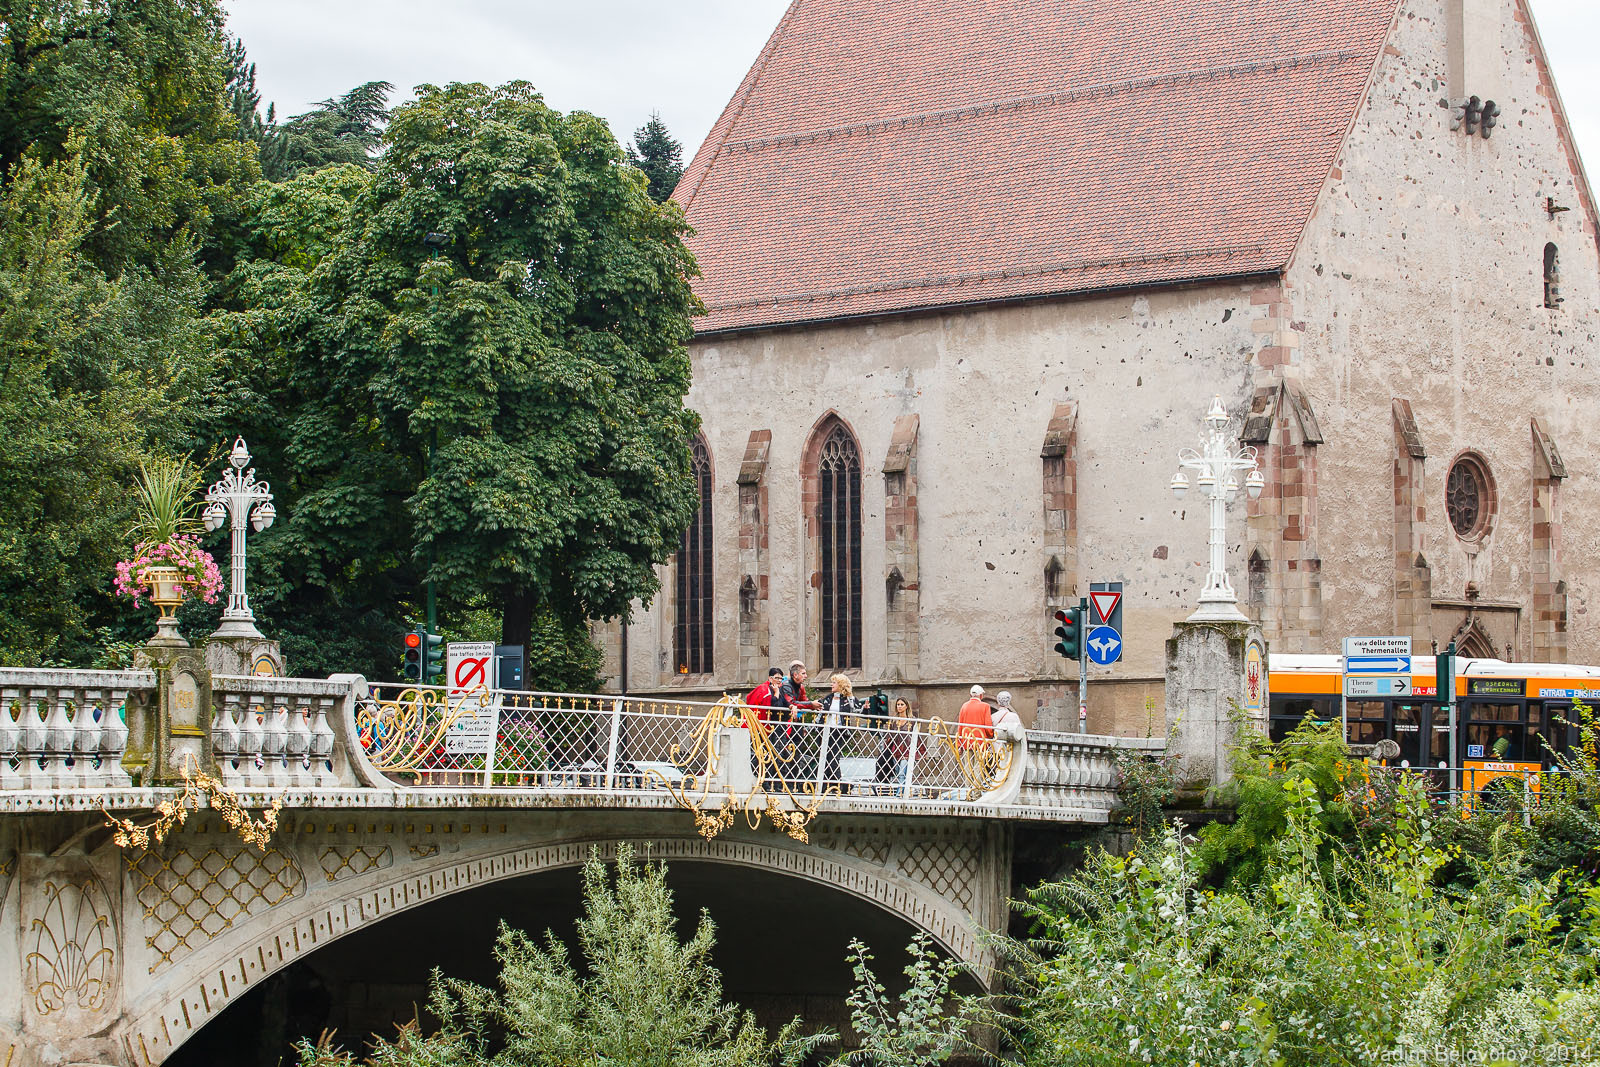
(1377, 687)
(1377, 646)
(469, 668)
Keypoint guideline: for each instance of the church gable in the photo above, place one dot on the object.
(902, 154)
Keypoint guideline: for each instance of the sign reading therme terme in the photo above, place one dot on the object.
(469, 670)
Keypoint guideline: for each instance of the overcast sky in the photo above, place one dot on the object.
(623, 59)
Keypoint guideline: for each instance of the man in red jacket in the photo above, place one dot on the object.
(976, 723)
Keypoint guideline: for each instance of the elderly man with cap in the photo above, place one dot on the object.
(976, 724)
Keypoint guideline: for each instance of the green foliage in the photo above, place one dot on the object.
(1236, 853)
(166, 500)
(921, 1031)
(561, 657)
(342, 130)
(643, 998)
(1146, 784)
(505, 411)
(94, 375)
(659, 156)
(1134, 962)
(142, 87)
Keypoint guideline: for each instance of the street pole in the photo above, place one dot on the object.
(1083, 665)
(433, 241)
(1446, 679)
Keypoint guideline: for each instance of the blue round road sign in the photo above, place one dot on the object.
(1104, 645)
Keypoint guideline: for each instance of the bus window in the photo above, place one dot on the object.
(1488, 725)
(1289, 712)
(1367, 722)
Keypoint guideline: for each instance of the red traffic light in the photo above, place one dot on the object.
(413, 640)
(1062, 615)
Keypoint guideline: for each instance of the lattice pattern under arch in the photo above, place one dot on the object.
(191, 895)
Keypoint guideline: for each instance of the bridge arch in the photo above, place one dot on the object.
(946, 880)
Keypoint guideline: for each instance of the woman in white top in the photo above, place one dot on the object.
(838, 704)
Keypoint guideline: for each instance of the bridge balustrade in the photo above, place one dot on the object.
(113, 736)
(62, 729)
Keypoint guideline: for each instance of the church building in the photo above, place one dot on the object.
(974, 271)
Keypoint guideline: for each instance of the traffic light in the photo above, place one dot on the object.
(1070, 631)
(432, 655)
(411, 671)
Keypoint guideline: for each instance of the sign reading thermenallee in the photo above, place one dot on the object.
(1377, 646)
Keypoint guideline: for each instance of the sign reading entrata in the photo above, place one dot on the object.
(469, 668)
(1377, 646)
(1570, 694)
(1377, 687)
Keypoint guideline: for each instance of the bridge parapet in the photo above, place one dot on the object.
(64, 729)
(79, 740)
(1076, 772)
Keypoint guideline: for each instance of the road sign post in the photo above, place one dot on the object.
(1373, 667)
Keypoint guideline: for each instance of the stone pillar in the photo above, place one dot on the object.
(1058, 703)
(1282, 524)
(175, 734)
(1549, 629)
(245, 655)
(902, 584)
(1413, 579)
(755, 618)
(1215, 686)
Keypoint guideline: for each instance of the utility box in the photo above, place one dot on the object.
(508, 667)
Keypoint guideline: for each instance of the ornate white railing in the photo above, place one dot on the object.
(81, 731)
(66, 729)
(1076, 772)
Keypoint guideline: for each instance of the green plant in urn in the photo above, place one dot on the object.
(168, 563)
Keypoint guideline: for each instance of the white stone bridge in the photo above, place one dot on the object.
(119, 955)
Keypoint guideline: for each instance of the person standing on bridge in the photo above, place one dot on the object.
(763, 696)
(976, 724)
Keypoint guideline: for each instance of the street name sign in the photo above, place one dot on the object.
(1377, 646)
(1377, 687)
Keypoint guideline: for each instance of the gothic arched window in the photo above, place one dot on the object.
(839, 549)
(692, 634)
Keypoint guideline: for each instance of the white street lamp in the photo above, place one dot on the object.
(1217, 464)
(232, 498)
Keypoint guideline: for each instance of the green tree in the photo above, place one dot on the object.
(643, 998)
(659, 156)
(342, 129)
(142, 86)
(93, 372)
(516, 387)
(921, 1031)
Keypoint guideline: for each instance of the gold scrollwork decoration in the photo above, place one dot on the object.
(73, 962)
(402, 733)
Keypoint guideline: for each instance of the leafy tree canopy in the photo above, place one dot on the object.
(659, 156)
(642, 997)
(342, 129)
(506, 401)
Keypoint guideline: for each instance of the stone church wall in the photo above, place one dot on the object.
(1420, 278)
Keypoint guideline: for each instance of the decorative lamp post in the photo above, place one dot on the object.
(239, 498)
(1218, 465)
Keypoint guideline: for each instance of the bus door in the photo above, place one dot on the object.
(1413, 732)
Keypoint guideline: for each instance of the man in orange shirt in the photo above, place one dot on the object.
(976, 724)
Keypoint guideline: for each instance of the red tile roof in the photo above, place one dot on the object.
(887, 155)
